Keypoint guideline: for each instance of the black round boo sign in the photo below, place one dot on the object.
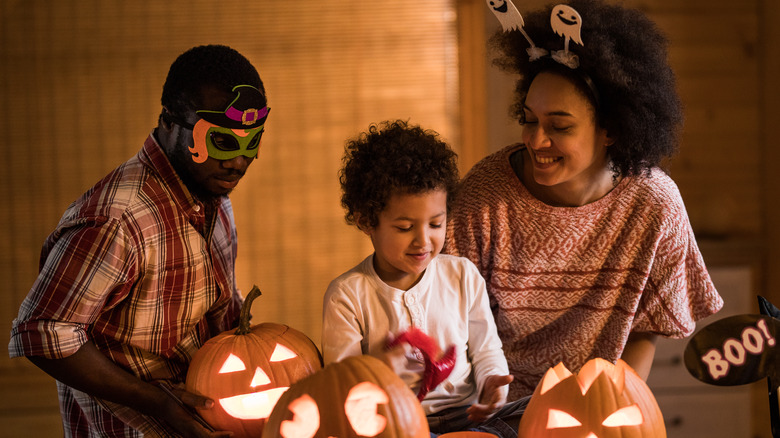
(735, 350)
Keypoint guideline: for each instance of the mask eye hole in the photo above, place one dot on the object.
(628, 416)
(255, 142)
(558, 419)
(223, 142)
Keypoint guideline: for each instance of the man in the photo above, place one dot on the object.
(139, 272)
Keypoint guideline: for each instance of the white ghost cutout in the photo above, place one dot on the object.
(507, 14)
(510, 19)
(566, 22)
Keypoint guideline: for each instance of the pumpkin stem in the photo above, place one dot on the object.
(246, 309)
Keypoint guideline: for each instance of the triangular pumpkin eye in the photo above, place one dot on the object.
(558, 419)
(282, 353)
(232, 364)
(628, 416)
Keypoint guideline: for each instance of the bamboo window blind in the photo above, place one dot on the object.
(80, 91)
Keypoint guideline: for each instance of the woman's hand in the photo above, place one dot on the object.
(493, 397)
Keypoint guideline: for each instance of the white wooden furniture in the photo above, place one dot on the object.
(692, 408)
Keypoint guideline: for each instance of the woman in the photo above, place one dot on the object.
(583, 240)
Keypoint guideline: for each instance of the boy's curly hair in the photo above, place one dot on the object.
(392, 158)
(624, 55)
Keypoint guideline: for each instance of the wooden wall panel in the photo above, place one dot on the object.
(718, 81)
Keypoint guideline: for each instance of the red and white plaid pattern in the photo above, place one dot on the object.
(134, 267)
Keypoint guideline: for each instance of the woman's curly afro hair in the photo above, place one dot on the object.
(393, 158)
(624, 55)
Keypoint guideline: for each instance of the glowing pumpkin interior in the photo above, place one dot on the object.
(601, 401)
(360, 410)
(356, 397)
(254, 405)
(246, 370)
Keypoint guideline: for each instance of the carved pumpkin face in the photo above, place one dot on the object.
(601, 401)
(245, 374)
(356, 397)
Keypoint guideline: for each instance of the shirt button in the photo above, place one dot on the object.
(197, 208)
(449, 387)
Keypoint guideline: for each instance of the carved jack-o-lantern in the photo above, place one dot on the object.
(601, 401)
(356, 397)
(245, 371)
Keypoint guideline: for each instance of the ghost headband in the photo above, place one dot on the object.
(565, 21)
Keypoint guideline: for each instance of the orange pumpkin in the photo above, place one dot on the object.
(357, 397)
(601, 401)
(246, 370)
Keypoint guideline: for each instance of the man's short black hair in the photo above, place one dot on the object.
(211, 65)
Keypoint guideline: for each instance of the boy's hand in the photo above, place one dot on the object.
(493, 397)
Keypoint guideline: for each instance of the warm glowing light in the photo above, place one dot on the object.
(554, 376)
(602, 399)
(628, 416)
(558, 419)
(260, 378)
(252, 406)
(593, 368)
(361, 409)
(282, 353)
(305, 421)
(232, 364)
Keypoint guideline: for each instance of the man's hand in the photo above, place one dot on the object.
(185, 419)
(493, 397)
(89, 371)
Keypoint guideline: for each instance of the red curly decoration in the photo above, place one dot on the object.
(437, 366)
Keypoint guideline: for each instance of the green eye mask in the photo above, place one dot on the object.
(222, 143)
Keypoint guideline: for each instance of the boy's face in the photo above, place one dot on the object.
(410, 233)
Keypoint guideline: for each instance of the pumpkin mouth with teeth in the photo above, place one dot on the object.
(254, 405)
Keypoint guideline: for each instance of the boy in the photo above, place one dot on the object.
(397, 183)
